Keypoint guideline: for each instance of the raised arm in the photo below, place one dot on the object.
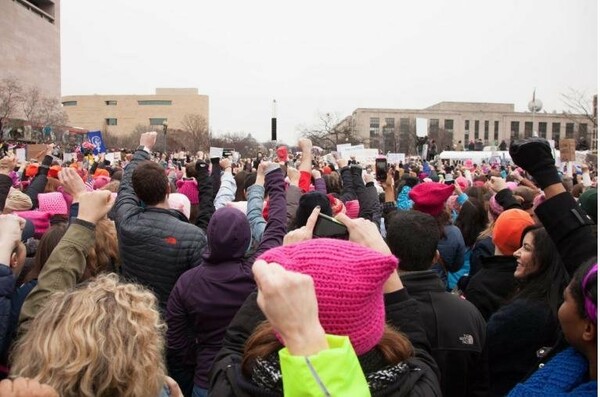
(228, 186)
(206, 207)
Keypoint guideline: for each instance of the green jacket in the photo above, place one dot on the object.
(62, 270)
(332, 372)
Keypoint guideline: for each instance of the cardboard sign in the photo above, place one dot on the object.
(421, 127)
(34, 149)
(216, 152)
(567, 150)
(396, 158)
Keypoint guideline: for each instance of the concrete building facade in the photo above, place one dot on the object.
(121, 114)
(30, 44)
(393, 129)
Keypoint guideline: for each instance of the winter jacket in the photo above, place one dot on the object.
(416, 376)
(335, 371)
(5, 184)
(482, 249)
(254, 212)
(567, 374)
(292, 198)
(570, 229)
(205, 299)
(515, 333)
(7, 288)
(493, 285)
(62, 270)
(452, 248)
(403, 202)
(456, 331)
(226, 191)
(156, 245)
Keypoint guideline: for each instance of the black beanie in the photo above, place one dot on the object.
(307, 204)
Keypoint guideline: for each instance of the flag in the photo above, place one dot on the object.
(533, 100)
(96, 138)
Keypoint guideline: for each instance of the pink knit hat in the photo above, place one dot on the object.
(181, 203)
(101, 181)
(463, 183)
(495, 208)
(348, 282)
(352, 209)
(53, 203)
(189, 187)
(430, 197)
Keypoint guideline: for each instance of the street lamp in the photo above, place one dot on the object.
(165, 126)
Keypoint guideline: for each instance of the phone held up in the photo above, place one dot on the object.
(329, 227)
(381, 169)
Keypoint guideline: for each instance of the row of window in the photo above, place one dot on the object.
(147, 102)
(543, 129)
(155, 121)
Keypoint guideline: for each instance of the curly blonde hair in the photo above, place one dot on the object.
(102, 339)
(104, 256)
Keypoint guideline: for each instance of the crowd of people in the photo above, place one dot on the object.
(196, 276)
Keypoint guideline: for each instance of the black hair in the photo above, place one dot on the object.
(413, 238)
(548, 282)
(577, 290)
(250, 180)
(472, 220)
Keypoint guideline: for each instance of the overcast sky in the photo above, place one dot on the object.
(330, 56)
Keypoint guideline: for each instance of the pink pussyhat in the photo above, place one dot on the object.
(348, 282)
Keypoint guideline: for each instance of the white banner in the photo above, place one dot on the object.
(216, 152)
(396, 158)
(67, 157)
(421, 127)
(20, 153)
(343, 146)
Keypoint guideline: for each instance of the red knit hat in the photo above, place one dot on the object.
(337, 207)
(326, 170)
(348, 282)
(53, 171)
(31, 170)
(508, 230)
(282, 153)
(430, 197)
(352, 209)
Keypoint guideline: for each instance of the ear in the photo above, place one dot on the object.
(589, 332)
(13, 260)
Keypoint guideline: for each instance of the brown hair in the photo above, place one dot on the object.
(150, 183)
(394, 346)
(112, 186)
(103, 257)
(52, 185)
(48, 242)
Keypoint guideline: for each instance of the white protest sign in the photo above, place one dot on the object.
(395, 158)
(117, 156)
(343, 146)
(109, 157)
(216, 152)
(350, 151)
(20, 153)
(421, 127)
(363, 156)
(69, 156)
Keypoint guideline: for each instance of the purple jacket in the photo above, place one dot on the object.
(205, 298)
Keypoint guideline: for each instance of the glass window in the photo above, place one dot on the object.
(156, 102)
(373, 126)
(569, 129)
(69, 103)
(434, 126)
(449, 125)
(157, 120)
(476, 129)
(467, 125)
(583, 130)
(486, 130)
(556, 132)
(528, 129)
(543, 129)
(496, 130)
(514, 129)
(405, 126)
(110, 103)
(111, 121)
(466, 138)
(389, 123)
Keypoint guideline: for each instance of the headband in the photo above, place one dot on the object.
(590, 305)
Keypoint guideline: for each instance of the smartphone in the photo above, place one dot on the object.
(381, 169)
(331, 228)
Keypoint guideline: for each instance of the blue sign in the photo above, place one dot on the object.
(95, 137)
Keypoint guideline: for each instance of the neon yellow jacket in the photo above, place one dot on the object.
(332, 372)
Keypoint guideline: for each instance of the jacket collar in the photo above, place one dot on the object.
(422, 281)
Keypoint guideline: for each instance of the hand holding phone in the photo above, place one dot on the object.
(329, 227)
(381, 169)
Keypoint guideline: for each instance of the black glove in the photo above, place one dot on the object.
(534, 155)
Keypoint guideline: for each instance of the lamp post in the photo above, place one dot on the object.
(165, 126)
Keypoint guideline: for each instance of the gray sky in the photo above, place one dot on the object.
(330, 56)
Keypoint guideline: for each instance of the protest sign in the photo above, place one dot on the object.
(395, 158)
(215, 152)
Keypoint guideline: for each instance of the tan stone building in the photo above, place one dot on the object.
(392, 130)
(121, 114)
(30, 44)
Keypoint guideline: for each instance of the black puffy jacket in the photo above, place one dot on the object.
(156, 245)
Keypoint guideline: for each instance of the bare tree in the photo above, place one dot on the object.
(329, 131)
(196, 135)
(578, 103)
(11, 95)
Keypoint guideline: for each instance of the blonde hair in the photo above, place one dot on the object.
(104, 256)
(102, 339)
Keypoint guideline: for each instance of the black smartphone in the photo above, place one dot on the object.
(331, 228)
(381, 169)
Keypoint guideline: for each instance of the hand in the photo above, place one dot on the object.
(389, 180)
(8, 163)
(93, 206)
(584, 168)
(365, 233)
(457, 189)
(200, 155)
(368, 177)
(497, 184)
(279, 292)
(225, 164)
(294, 176)
(25, 387)
(305, 232)
(148, 139)
(173, 387)
(316, 174)
(11, 227)
(341, 163)
(305, 145)
(534, 155)
(262, 168)
(72, 183)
